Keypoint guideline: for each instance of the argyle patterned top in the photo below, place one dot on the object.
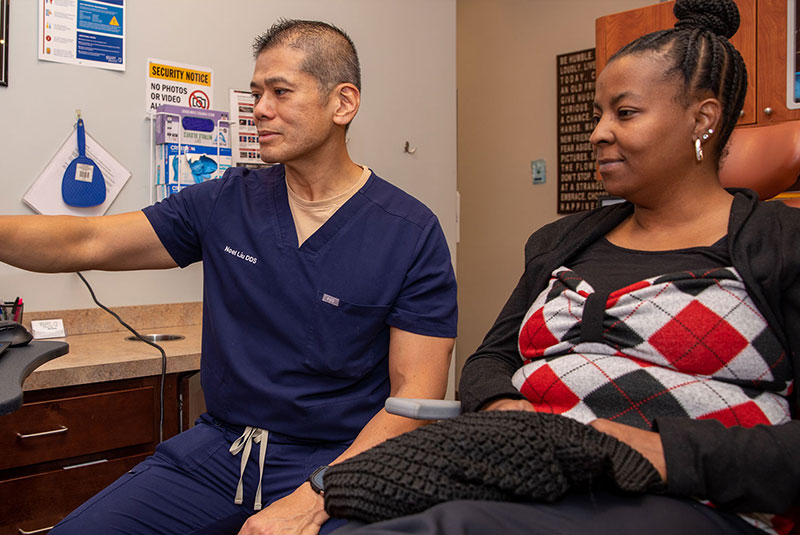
(689, 344)
(684, 344)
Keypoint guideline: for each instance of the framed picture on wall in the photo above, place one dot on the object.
(4, 42)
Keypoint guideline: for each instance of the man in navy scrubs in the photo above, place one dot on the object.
(326, 289)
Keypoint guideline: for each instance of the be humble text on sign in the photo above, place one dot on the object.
(577, 187)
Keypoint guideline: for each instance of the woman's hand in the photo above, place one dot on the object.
(648, 443)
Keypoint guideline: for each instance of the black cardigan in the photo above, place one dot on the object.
(744, 470)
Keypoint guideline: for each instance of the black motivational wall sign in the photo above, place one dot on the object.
(577, 187)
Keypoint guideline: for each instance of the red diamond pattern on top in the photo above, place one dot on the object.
(782, 525)
(614, 296)
(535, 337)
(746, 415)
(547, 393)
(698, 341)
(720, 358)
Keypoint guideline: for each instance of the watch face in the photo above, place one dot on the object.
(316, 479)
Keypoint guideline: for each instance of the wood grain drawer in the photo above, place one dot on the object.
(75, 426)
(36, 502)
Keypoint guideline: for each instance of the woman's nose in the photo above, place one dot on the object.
(601, 132)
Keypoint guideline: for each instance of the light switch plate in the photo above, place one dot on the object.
(538, 171)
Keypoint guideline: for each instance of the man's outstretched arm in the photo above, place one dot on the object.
(53, 244)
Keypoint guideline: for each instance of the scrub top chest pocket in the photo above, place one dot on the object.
(346, 339)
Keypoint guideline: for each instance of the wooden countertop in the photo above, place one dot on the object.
(108, 356)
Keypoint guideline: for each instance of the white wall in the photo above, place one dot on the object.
(407, 50)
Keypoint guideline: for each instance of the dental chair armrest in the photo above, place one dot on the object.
(423, 409)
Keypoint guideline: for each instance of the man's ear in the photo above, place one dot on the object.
(347, 99)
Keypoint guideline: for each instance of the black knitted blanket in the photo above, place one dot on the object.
(497, 455)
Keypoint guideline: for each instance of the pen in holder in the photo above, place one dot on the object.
(12, 310)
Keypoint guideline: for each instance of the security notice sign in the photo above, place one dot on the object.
(83, 32)
(178, 84)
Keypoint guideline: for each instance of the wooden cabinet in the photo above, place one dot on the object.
(761, 40)
(770, 76)
(37, 502)
(66, 444)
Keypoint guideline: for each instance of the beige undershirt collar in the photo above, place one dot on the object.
(309, 216)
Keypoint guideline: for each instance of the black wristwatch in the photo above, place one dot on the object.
(316, 479)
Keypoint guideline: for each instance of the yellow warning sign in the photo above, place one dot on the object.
(113, 22)
(179, 74)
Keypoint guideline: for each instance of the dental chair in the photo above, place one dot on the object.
(765, 159)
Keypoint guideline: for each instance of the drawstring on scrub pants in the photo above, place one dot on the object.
(245, 442)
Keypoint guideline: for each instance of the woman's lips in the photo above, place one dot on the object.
(606, 165)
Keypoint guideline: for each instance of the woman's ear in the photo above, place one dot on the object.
(707, 117)
(347, 101)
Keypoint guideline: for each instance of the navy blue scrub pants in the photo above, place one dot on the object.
(599, 513)
(188, 485)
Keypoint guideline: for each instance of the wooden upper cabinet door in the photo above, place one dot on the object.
(772, 16)
(612, 32)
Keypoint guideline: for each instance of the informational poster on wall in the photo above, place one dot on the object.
(578, 188)
(90, 33)
(244, 131)
(178, 84)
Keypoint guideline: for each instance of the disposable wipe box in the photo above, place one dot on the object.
(198, 126)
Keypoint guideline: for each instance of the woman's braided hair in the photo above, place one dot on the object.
(698, 51)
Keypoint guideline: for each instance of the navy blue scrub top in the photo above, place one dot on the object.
(296, 340)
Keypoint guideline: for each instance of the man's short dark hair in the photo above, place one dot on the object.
(330, 55)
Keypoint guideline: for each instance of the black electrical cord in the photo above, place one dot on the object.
(140, 337)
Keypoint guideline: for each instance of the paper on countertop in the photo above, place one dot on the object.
(44, 196)
(42, 329)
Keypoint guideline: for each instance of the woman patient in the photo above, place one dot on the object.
(671, 322)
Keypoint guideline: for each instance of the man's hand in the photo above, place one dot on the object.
(647, 443)
(300, 513)
(506, 404)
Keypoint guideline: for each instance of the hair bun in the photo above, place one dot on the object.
(718, 16)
